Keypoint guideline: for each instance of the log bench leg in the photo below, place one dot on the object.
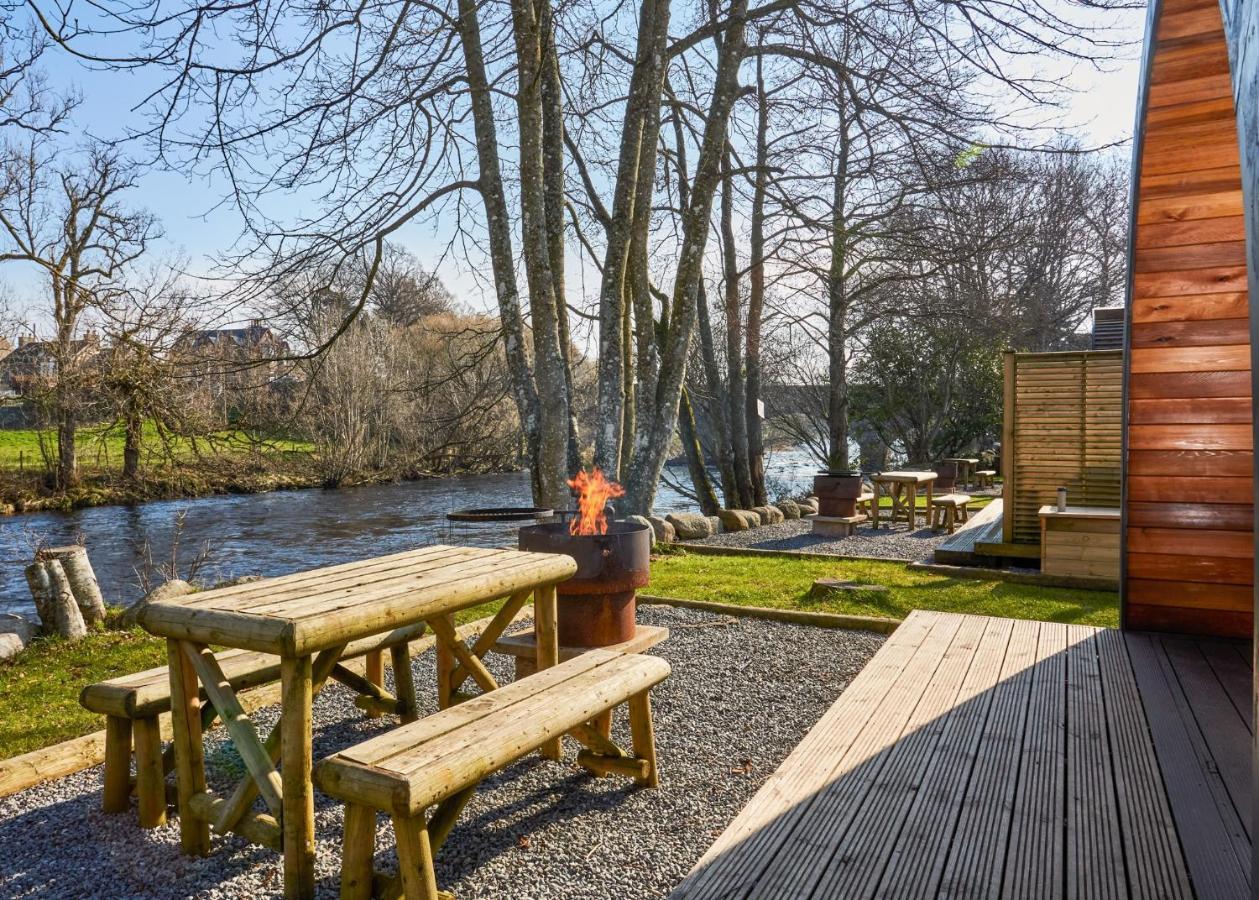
(644, 736)
(117, 793)
(415, 858)
(375, 672)
(357, 854)
(404, 681)
(150, 773)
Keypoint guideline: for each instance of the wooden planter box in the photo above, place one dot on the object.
(1081, 542)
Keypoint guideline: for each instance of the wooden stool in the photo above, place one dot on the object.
(948, 510)
(986, 477)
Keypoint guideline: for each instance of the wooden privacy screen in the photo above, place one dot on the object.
(1063, 428)
(1189, 480)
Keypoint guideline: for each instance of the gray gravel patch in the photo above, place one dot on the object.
(742, 694)
(885, 543)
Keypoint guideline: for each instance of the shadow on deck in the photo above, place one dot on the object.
(981, 757)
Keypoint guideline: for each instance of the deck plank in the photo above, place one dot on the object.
(1154, 863)
(1217, 853)
(990, 758)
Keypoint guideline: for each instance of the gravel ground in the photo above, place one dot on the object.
(894, 543)
(743, 692)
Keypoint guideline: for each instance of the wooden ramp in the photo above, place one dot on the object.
(958, 548)
(988, 758)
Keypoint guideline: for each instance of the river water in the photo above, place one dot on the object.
(286, 531)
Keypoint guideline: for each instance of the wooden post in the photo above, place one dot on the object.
(357, 852)
(644, 735)
(295, 765)
(117, 791)
(1007, 448)
(546, 634)
(194, 833)
(446, 665)
(404, 681)
(150, 773)
(375, 673)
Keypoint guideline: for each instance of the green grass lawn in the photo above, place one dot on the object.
(39, 689)
(784, 582)
(101, 446)
(975, 502)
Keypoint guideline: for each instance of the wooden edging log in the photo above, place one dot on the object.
(794, 616)
(978, 573)
(719, 550)
(48, 763)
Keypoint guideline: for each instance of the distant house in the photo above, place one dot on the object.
(253, 341)
(34, 362)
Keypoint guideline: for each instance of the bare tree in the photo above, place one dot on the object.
(71, 219)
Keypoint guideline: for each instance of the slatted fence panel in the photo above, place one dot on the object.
(1065, 429)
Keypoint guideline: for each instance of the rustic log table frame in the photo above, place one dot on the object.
(307, 619)
(902, 487)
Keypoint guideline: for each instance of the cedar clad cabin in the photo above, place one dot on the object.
(1188, 492)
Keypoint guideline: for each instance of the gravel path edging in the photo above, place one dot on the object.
(718, 550)
(981, 573)
(877, 624)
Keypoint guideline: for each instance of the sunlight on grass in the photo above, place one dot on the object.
(783, 583)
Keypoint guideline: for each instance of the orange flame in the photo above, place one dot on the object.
(593, 493)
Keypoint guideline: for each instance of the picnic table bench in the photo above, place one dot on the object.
(439, 760)
(309, 620)
(966, 466)
(902, 487)
(132, 705)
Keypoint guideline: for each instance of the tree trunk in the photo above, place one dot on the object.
(67, 452)
(614, 335)
(651, 444)
(716, 405)
(837, 327)
(756, 297)
(553, 173)
(502, 252)
(66, 613)
(735, 395)
(133, 445)
(77, 568)
(702, 484)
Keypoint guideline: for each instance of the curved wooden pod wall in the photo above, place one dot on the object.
(1189, 481)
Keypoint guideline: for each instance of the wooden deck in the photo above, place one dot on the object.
(977, 757)
(984, 525)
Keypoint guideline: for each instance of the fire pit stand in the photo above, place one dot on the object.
(596, 606)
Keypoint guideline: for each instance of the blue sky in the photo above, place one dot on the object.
(1100, 111)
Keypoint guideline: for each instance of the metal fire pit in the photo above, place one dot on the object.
(596, 606)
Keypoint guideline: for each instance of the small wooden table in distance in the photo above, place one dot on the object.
(902, 487)
(307, 619)
(966, 466)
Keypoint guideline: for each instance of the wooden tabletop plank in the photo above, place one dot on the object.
(906, 477)
(310, 616)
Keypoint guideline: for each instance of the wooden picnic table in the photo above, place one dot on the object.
(966, 466)
(307, 619)
(902, 487)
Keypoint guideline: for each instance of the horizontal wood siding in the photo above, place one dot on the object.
(1190, 484)
(1066, 426)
